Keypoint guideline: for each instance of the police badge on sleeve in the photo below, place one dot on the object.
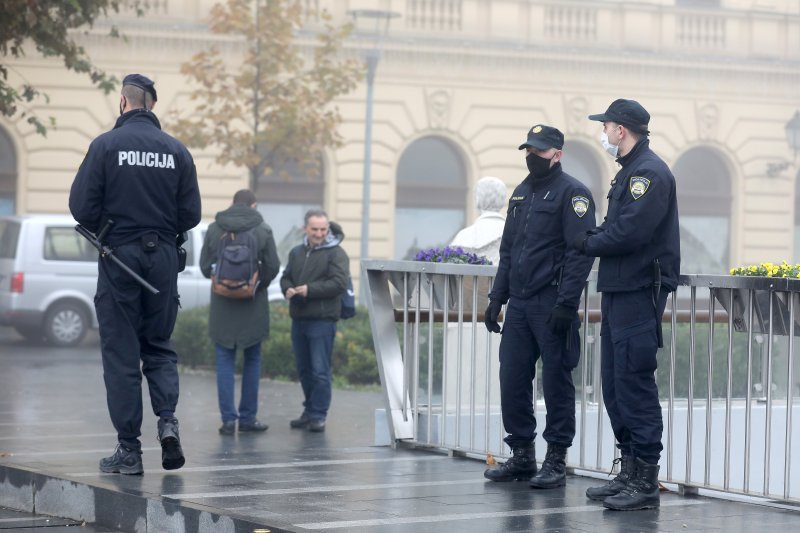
(580, 204)
(639, 186)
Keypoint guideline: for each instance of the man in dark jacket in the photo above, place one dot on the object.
(638, 244)
(313, 282)
(542, 279)
(240, 323)
(145, 182)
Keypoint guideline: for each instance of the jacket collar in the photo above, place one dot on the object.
(639, 148)
(137, 115)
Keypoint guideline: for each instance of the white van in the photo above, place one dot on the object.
(48, 278)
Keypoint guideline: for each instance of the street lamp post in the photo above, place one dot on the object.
(793, 133)
(372, 57)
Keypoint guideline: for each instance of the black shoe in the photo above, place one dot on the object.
(554, 469)
(520, 467)
(300, 423)
(616, 485)
(641, 492)
(255, 427)
(123, 461)
(171, 451)
(228, 428)
(316, 425)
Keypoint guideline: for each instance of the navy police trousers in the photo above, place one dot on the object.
(135, 330)
(630, 392)
(526, 337)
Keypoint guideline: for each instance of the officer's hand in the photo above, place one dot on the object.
(492, 313)
(579, 242)
(561, 318)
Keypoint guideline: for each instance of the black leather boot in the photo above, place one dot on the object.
(641, 491)
(616, 485)
(520, 467)
(171, 450)
(554, 469)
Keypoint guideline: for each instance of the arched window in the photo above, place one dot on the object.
(431, 196)
(704, 204)
(283, 199)
(580, 162)
(8, 174)
(797, 219)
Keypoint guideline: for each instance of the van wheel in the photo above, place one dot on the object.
(30, 333)
(65, 324)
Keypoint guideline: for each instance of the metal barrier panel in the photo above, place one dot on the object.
(727, 404)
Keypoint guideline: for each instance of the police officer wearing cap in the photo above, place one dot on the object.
(541, 278)
(145, 182)
(638, 244)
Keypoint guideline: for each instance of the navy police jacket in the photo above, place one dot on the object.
(141, 178)
(641, 226)
(544, 215)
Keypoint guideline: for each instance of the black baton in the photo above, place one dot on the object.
(108, 253)
(656, 294)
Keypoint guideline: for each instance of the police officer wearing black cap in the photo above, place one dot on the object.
(541, 278)
(638, 244)
(145, 182)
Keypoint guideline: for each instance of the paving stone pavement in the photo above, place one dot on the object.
(54, 428)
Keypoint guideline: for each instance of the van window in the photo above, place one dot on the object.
(64, 244)
(9, 234)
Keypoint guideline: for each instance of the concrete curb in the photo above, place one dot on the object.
(27, 490)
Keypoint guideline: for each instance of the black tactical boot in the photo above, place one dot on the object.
(123, 461)
(616, 485)
(641, 491)
(520, 467)
(554, 469)
(171, 451)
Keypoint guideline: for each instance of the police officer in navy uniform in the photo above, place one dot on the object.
(638, 244)
(542, 278)
(145, 182)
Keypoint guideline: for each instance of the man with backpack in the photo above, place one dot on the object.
(314, 281)
(240, 257)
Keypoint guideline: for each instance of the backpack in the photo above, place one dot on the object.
(236, 275)
(348, 300)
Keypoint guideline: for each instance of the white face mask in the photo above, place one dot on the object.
(607, 146)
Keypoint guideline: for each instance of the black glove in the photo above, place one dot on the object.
(492, 313)
(561, 318)
(579, 242)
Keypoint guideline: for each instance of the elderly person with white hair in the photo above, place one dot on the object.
(483, 237)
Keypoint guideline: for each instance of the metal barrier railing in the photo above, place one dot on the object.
(722, 405)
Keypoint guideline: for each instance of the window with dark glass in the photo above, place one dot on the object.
(8, 175)
(431, 196)
(704, 203)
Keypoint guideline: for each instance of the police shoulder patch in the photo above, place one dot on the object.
(580, 204)
(639, 186)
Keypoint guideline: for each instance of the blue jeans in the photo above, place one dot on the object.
(251, 373)
(312, 341)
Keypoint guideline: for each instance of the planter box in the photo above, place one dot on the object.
(761, 302)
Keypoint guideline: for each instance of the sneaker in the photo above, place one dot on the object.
(123, 461)
(228, 428)
(300, 423)
(171, 452)
(316, 425)
(255, 426)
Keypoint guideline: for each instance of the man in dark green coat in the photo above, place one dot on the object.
(240, 323)
(314, 280)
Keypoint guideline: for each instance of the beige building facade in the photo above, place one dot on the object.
(458, 85)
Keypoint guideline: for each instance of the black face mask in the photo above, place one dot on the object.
(537, 166)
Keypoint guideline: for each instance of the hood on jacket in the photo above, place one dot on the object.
(238, 218)
(335, 237)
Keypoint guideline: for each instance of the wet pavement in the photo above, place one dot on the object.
(54, 428)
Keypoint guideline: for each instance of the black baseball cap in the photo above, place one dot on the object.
(143, 82)
(543, 137)
(629, 113)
